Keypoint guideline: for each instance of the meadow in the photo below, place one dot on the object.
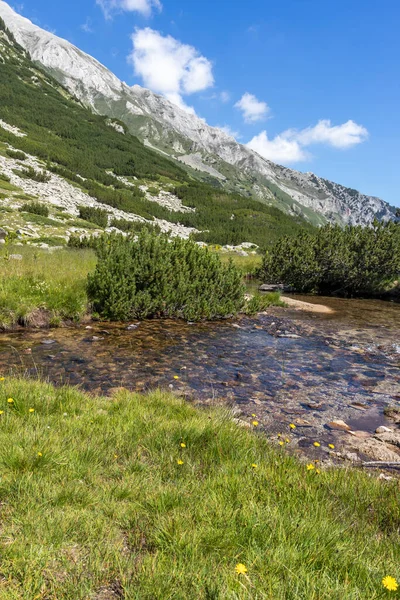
(146, 497)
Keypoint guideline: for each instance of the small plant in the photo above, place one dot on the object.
(30, 173)
(35, 208)
(17, 154)
(4, 177)
(260, 302)
(98, 216)
(134, 226)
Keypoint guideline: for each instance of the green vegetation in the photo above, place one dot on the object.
(43, 286)
(30, 173)
(4, 177)
(35, 208)
(98, 216)
(134, 226)
(82, 148)
(39, 220)
(98, 494)
(260, 302)
(353, 261)
(154, 276)
(16, 154)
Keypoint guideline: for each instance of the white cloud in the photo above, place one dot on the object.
(225, 97)
(169, 67)
(278, 149)
(145, 7)
(229, 131)
(339, 136)
(253, 110)
(289, 146)
(87, 26)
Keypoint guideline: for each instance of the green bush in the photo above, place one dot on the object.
(4, 177)
(98, 216)
(17, 154)
(30, 173)
(35, 208)
(260, 302)
(154, 276)
(352, 261)
(134, 226)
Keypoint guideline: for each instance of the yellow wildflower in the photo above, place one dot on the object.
(183, 445)
(255, 423)
(310, 467)
(281, 443)
(1, 412)
(390, 583)
(39, 454)
(180, 462)
(31, 410)
(253, 415)
(331, 446)
(10, 401)
(292, 426)
(176, 377)
(317, 444)
(254, 466)
(279, 435)
(317, 471)
(2, 378)
(115, 455)
(241, 569)
(287, 441)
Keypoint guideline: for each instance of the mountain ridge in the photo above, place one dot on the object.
(188, 139)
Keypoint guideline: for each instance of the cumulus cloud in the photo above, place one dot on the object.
(169, 67)
(145, 7)
(229, 131)
(253, 109)
(290, 146)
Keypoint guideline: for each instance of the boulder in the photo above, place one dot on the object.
(338, 425)
(377, 450)
(389, 437)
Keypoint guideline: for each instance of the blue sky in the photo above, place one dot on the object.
(313, 84)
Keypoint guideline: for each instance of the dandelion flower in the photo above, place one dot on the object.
(183, 445)
(1, 412)
(317, 471)
(176, 377)
(292, 426)
(39, 454)
(287, 441)
(255, 423)
(310, 467)
(115, 455)
(254, 466)
(31, 410)
(180, 462)
(317, 444)
(281, 443)
(331, 446)
(10, 401)
(253, 415)
(241, 569)
(2, 378)
(390, 583)
(279, 435)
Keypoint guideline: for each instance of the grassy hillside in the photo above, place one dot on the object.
(88, 151)
(146, 498)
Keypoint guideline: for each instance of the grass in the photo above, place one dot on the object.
(93, 498)
(43, 281)
(248, 265)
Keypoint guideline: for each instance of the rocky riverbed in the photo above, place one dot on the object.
(308, 380)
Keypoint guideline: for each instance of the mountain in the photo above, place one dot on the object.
(56, 151)
(188, 139)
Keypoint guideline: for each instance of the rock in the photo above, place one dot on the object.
(338, 425)
(3, 234)
(48, 342)
(2, 241)
(360, 434)
(383, 429)
(377, 450)
(291, 336)
(383, 477)
(389, 437)
(15, 257)
(302, 423)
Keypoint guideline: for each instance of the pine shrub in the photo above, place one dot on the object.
(155, 276)
(353, 261)
(98, 216)
(35, 208)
